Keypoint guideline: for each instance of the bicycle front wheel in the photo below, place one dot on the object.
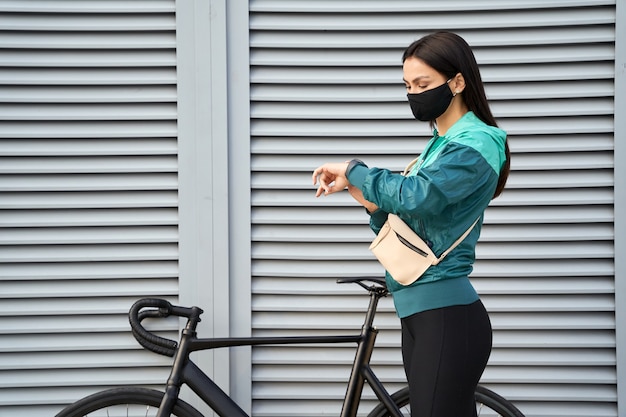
(125, 402)
(488, 404)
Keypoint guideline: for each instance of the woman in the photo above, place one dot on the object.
(446, 332)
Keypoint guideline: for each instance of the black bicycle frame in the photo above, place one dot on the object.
(185, 371)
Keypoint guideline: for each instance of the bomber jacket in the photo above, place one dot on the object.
(448, 188)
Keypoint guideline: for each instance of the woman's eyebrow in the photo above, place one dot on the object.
(416, 79)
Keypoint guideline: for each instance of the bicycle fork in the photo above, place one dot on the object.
(185, 371)
(176, 377)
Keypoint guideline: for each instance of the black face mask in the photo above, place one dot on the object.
(430, 104)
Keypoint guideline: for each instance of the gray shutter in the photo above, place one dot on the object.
(326, 86)
(88, 195)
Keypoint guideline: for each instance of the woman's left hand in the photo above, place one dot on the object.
(332, 178)
(358, 196)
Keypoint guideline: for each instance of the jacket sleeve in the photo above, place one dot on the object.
(377, 219)
(457, 173)
(356, 172)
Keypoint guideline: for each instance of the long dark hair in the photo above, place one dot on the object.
(449, 54)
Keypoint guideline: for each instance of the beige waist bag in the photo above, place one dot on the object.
(403, 253)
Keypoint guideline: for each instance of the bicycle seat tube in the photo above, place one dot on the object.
(360, 366)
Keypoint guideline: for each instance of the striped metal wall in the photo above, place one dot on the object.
(326, 85)
(88, 194)
(89, 203)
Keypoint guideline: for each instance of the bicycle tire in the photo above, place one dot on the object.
(497, 403)
(126, 402)
(488, 403)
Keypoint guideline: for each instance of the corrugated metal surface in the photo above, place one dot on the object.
(326, 85)
(88, 194)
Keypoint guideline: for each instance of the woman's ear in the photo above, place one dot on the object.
(457, 84)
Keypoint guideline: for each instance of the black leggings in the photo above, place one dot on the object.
(445, 352)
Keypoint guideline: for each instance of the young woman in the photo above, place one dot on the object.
(446, 332)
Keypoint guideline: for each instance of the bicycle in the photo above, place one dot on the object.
(133, 401)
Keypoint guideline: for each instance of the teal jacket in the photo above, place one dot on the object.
(449, 187)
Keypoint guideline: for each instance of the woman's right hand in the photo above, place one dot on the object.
(332, 178)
